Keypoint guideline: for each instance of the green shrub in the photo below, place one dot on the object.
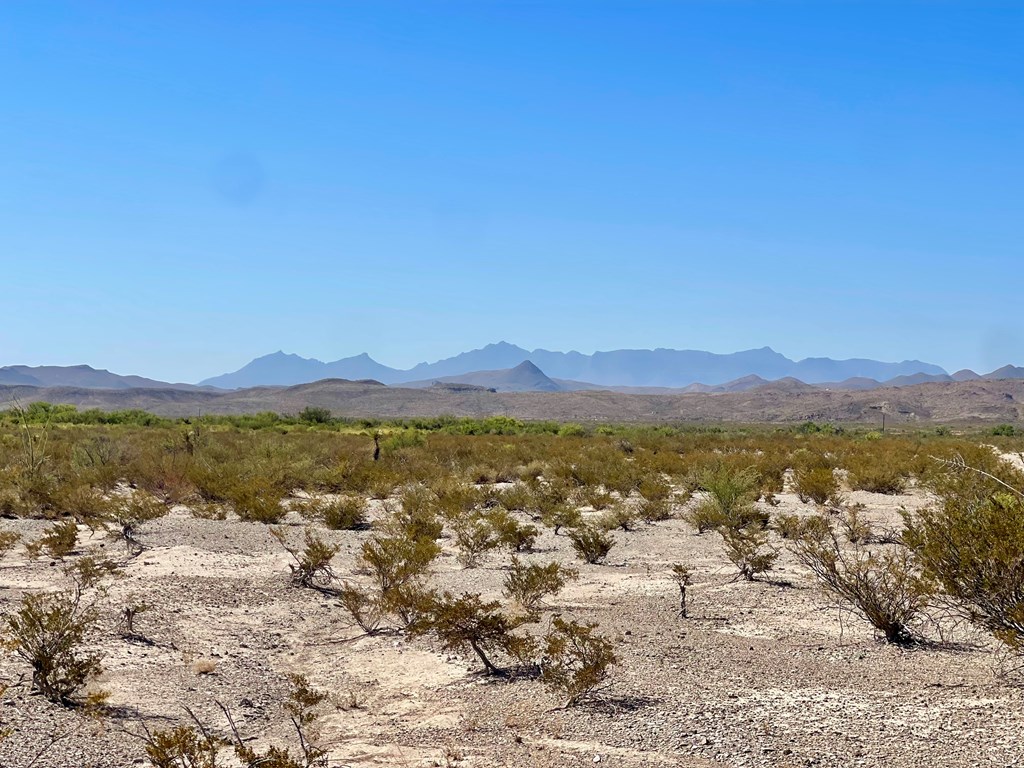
(529, 584)
(344, 513)
(511, 533)
(397, 561)
(59, 541)
(468, 622)
(312, 566)
(49, 631)
(817, 484)
(883, 588)
(972, 544)
(620, 516)
(474, 537)
(591, 544)
(256, 500)
(575, 661)
(748, 549)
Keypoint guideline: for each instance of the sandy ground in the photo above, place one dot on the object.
(761, 674)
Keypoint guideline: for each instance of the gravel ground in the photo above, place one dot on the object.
(761, 674)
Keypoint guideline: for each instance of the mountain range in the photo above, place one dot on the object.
(670, 368)
(506, 367)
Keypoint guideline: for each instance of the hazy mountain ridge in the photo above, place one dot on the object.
(79, 376)
(660, 367)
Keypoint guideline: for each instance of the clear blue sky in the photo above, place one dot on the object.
(187, 185)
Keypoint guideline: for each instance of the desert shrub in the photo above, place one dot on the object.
(748, 549)
(416, 516)
(884, 588)
(312, 566)
(876, 476)
(730, 489)
(474, 537)
(511, 533)
(972, 544)
(397, 561)
(7, 541)
(620, 516)
(705, 515)
(654, 510)
(137, 508)
(855, 527)
(49, 632)
(58, 541)
(313, 415)
(364, 609)
(561, 516)
(529, 584)
(83, 502)
(88, 571)
(654, 487)
(729, 500)
(517, 497)
(208, 510)
(344, 513)
(817, 484)
(448, 498)
(591, 543)
(184, 746)
(682, 575)
(1004, 430)
(257, 500)
(465, 621)
(794, 526)
(575, 660)
(788, 526)
(595, 497)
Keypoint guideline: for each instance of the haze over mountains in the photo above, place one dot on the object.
(668, 368)
(506, 367)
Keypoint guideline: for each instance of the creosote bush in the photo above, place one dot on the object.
(528, 583)
(58, 541)
(312, 566)
(257, 500)
(817, 484)
(748, 549)
(7, 541)
(575, 660)
(972, 544)
(49, 631)
(885, 588)
(467, 622)
(344, 513)
(591, 543)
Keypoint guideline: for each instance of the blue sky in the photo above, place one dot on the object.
(185, 186)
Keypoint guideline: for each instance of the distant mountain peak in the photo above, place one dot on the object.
(527, 367)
